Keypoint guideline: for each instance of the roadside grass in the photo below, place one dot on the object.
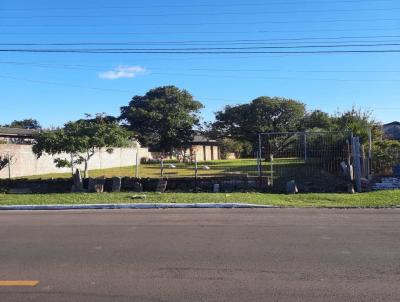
(371, 199)
(217, 168)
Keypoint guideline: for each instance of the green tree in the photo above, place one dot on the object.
(317, 119)
(81, 140)
(264, 114)
(239, 148)
(386, 153)
(359, 122)
(25, 124)
(164, 118)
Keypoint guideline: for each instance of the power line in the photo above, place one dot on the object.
(155, 51)
(284, 12)
(230, 41)
(193, 5)
(236, 48)
(101, 68)
(213, 23)
(382, 29)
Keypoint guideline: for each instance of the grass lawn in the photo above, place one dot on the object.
(373, 199)
(217, 168)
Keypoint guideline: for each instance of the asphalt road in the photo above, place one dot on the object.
(202, 255)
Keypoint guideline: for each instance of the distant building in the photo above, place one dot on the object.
(17, 135)
(204, 149)
(392, 131)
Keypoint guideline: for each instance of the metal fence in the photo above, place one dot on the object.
(315, 161)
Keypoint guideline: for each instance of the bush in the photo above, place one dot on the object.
(385, 154)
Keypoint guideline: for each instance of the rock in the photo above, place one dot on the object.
(291, 187)
(78, 184)
(116, 184)
(161, 186)
(206, 167)
(96, 185)
(137, 187)
(172, 166)
(216, 188)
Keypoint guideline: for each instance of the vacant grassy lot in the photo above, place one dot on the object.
(217, 168)
(373, 199)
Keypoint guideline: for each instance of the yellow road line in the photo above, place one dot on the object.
(19, 282)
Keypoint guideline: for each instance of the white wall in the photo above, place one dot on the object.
(25, 162)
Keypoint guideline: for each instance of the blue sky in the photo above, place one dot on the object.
(58, 87)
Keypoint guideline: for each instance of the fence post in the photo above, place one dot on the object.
(137, 164)
(162, 167)
(369, 151)
(9, 166)
(305, 146)
(357, 163)
(259, 156)
(196, 167)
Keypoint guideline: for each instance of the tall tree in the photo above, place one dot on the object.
(25, 124)
(164, 118)
(359, 122)
(264, 114)
(81, 140)
(317, 119)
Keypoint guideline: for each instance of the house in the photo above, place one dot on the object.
(17, 135)
(392, 131)
(203, 148)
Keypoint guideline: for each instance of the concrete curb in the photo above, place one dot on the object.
(137, 206)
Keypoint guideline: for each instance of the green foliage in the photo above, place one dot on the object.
(359, 122)
(163, 118)
(239, 148)
(25, 124)
(385, 154)
(317, 119)
(264, 114)
(81, 140)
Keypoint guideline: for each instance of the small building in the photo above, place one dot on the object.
(204, 149)
(392, 131)
(17, 135)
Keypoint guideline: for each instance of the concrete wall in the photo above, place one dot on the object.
(25, 163)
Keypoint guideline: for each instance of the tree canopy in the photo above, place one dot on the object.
(263, 114)
(81, 140)
(164, 118)
(25, 124)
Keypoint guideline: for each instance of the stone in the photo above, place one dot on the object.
(78, 184)
(137, 187)
(91, 185)
(216, 188)
(96, 185)
(116, 184)
(99, 185)
(161, 186)
(291, 187)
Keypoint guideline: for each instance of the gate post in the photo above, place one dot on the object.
(357, 163)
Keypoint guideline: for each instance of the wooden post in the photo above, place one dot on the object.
(162, 167)
(305, 146)
(357, 164)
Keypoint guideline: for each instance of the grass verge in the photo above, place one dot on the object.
(372, 199)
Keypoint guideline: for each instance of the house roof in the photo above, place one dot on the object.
(17, 132)
(200, 139)
(392, 130)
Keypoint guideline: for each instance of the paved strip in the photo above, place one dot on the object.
(180, 255)
(19, 283)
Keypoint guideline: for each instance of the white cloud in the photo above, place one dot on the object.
(122, 71)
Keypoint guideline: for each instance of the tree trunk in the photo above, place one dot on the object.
(86, 173)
